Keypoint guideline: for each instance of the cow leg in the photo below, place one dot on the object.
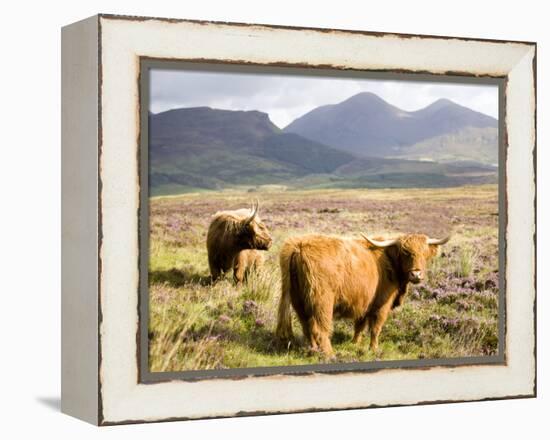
(239, 273)
(215, 270)
(316, 320)
(216, 274)
(320, 338)
(317, 338)
(325, 345)
(307, 325)
(360, 325)
(402, 292)
(306, 320)
(376, 322)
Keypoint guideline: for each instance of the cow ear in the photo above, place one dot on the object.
(435, 243)
(433, 250)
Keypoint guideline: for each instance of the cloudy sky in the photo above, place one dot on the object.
(286, 97)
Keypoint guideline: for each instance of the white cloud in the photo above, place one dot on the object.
(286, 97)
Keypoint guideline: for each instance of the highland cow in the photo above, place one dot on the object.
(245, 262)
(229, 234)
(360, 279)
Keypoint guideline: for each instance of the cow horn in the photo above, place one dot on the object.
(439, 241)
(255, 207)
(380, 244)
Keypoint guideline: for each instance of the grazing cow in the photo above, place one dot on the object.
(361, 279)
(245, 262)
(231, 232)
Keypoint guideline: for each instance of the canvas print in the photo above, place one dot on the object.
(310, 220)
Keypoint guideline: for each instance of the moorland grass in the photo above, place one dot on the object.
(197, 325)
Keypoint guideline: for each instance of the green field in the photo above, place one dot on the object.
(196, 325)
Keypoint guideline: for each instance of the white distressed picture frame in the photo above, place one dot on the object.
(101, 203)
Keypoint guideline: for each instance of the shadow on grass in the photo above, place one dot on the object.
(178, 278)
(266, 343)
(263, 340)
(258, 339)
(340, 337)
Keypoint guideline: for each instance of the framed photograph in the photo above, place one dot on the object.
(264, 219)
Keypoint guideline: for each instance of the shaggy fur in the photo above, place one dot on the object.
(325, 276)
(229, 233)
(245, 262)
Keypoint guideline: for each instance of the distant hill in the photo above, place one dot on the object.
(394, 173)
(366, 125)
(470, 143)
(194, 148)
(200, 148)
(199, 127)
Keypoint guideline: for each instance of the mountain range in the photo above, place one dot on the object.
(366, 125)
(360, 142)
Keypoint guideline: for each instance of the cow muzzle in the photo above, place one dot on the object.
(416, 276)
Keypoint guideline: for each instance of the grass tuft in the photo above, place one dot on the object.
(466, 261)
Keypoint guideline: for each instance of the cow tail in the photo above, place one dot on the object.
(288, 277)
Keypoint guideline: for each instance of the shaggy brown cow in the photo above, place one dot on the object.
(361, 279)
(245, 262)
(231, 232)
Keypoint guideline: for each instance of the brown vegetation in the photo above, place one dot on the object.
(195, 325)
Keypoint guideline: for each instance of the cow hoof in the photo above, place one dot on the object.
(328, 355)
(377, 353)
(314, 351)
